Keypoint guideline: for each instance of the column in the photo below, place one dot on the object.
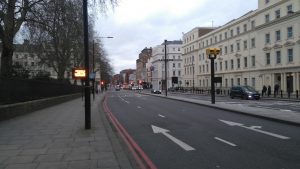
(296, 81)
(282, 81)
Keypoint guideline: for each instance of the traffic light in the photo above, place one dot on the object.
(102, 82)
(212, 51)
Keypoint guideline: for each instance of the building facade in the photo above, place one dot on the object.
(174, 65)
(141, 71)
(260, 48)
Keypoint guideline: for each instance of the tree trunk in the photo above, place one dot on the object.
(6, 60)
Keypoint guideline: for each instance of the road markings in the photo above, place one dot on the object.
(254, 128)
(226, 142)
(139, 107)
(285, 110)
(124, 100)
(183, 145)
(161, 116)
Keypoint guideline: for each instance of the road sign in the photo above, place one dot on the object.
(78, 73)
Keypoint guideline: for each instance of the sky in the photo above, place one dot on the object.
(136, 24)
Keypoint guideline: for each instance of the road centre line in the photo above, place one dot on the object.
(226, 142)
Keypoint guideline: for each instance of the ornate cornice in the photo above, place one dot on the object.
(289, 43)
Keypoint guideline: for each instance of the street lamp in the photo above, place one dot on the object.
(212, 55)
(94, 72)
(193, 74)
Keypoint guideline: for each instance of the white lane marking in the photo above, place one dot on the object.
(161, 116)
(226, 142)
(285, 110)
(139, 107)
(183, 145)
(124, 100)
(254, 128)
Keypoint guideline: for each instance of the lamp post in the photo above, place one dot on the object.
(94, 72)
(212, 55)
(87, 67)
(166, 86)
(193, 74)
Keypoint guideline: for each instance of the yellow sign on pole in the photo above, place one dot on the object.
(79, 73)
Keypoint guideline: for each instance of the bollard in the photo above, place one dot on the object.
(297, 94)
(280, 93)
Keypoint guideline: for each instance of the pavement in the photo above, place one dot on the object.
(55, 138)
(290, 117)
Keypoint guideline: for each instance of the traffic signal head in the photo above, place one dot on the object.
(212, 51)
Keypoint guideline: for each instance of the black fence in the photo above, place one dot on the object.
(226, 92)
(17, 90)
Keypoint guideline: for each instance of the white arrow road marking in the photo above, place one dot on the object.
(254, 128)
(224, 141)
(161, 116)
(124, 100)
(175, 140)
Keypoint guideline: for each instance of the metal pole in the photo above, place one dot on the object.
(93, 81)
(87, 68)
(193, 76)
(212, 73)
(166, 68)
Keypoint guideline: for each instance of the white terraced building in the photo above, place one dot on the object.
(260, 48)
(174, 65)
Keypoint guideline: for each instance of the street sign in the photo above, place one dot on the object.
(92, 75)
(78, 73)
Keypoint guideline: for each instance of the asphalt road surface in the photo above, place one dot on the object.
(180, 135)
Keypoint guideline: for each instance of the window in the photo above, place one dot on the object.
(178, 57)
(200, 69)
(25, 63)
(174, 65)
(238, 81)
(290, 32)
(267, 18)
(267, 1)
(226, 65)
(226, 82)
(290, 55)
(245, 81)
(253, 81)
(210, 40)
(268, 59)
(231, 33)
(245, 44)
(216, 39)
(179, 73)
(252, 25)
(238, 30)
(220, 37)
(225, 34)
(32, 63)
(267, 38)
(174, 74)
(179, 65)
(253, 61)
(238, 63)
(206, 67)
(253, 42)
(232, 84)
(226, 50)
(245, 27)
(278, 35)
(278, 57)
(238, 46)
(232, 64)
(203, 68)
(245, 62)
(289, 9)
(231, 48)
(216, 66)
(277, 14)
(220, 66)
(174, 57)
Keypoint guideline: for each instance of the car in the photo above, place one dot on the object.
(244, 92)
(155, 91)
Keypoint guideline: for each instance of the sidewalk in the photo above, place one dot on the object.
(282, 116)
(55, 138)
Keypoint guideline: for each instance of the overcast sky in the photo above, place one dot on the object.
(136, 24)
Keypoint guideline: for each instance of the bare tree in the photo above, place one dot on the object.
(58, 32)
(13, 13)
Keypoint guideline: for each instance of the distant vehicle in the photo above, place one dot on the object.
(154, 91)
(134, 88)
(244, 92)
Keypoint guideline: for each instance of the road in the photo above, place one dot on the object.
(180, 135)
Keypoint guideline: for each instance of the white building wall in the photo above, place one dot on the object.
(260, 73)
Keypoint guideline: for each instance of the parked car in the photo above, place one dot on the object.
(155, 91)
(244, 92)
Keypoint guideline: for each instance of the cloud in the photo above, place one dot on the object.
(137, 24)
